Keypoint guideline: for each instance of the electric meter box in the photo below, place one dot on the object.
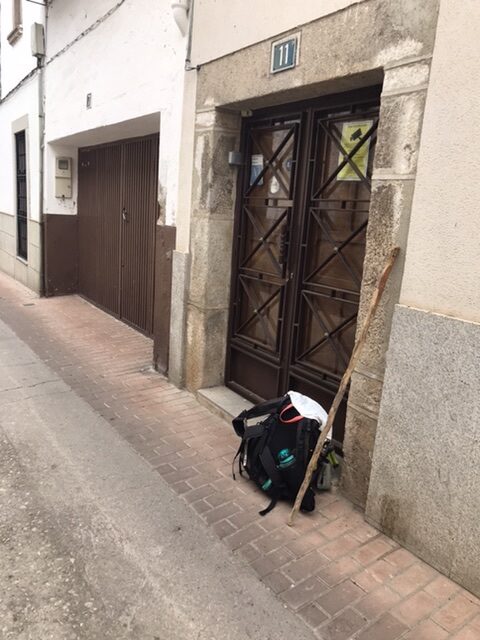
(63, 177)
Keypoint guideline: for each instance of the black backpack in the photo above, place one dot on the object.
(276, 451)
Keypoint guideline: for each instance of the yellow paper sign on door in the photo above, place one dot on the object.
(352, 134)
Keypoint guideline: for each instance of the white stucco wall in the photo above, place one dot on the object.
(442, 270)
(17, 113)
(18, 106)
(132, 63)
(17, 59)
(221, 27)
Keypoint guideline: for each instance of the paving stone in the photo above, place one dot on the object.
(337, 528)
(244, 536)
(364, 532)
(307, 542)
(415, 577)
(344, 626)
(346, 593)
(442, 588)
(415, 608)
(456, 613)
(385, 628)
(201, 507)
(223, 528)
(305, 566)
(277, 582)
(337, 571)
(304, 592)
(340, 547)
(467, 633)
(382, 571)
(377, 602)
(312, 615)
(371, 551)
(200, 492)
(272, 561)
(248, 552)
(274, 539)
(366, 580)
(427, 630)
(181, 487)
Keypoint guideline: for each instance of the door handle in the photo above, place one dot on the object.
(124, 215)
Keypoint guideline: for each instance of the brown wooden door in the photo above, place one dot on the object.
(117, 209)
(299, 247)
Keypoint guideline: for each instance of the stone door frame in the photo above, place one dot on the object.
(222, 98)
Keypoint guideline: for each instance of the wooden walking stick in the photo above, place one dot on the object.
(312, 465)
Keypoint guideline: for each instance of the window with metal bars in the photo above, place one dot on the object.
(21, 182)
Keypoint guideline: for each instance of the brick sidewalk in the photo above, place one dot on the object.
(342, 576)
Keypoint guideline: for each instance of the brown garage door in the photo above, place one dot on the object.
(118, 209)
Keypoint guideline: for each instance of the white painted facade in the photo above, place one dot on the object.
(442, 268)
(18, 104)
(19, 110)
(130, 57)
(244, 22)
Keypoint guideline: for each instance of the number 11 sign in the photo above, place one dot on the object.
(284, 54)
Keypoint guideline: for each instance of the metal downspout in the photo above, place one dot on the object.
(41, 163)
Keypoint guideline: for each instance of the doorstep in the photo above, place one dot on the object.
(223, 402)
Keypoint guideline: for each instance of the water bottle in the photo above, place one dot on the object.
(293, 476)
(324, 482)
(266, 485)
(285, 459)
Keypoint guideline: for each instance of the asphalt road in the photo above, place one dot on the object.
(93, 543)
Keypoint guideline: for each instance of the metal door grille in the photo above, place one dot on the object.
(299, 248)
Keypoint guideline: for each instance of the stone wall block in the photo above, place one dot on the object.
(214, 180)
(358, 447)
(406, 77)
(211, 257)
(372, 34)
(388, 226)
(366, 392)
(206, 331)
(399, 133)
(178, 314)
(422, 491)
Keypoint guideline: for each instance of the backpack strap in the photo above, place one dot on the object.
(270, 468)
(268, 463)
(301, 445)
(239, 453)
(272, 505)
(261, 409)
(255, 431)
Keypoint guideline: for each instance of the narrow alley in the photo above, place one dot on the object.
(101, 457)
(93, 542)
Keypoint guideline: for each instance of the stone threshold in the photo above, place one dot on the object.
(223, 402)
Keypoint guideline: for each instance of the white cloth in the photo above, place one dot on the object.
(308, 408)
